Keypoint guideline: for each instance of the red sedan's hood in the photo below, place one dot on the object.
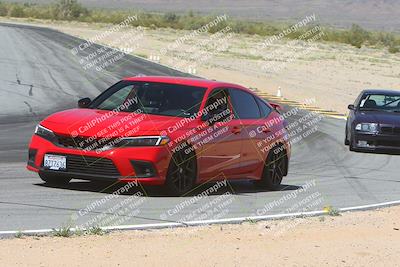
(104, 123)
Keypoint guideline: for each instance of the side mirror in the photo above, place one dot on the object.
(84, 102)
(205, 116)
(351, 107)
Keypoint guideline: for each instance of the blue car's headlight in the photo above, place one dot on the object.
(367, 127)
(44, 132)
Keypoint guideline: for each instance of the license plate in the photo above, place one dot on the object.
(55, 162)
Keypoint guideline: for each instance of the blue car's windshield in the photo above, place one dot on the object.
(380, 102)
(151, 98)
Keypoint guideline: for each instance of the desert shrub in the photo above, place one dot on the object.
(70, 9)
(170, 18)
(16, 11)
(356, 36)
(3, 10)
(394, 49)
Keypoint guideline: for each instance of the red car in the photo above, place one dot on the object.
(170, 131)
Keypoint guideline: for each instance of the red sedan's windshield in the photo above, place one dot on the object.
(151, 98)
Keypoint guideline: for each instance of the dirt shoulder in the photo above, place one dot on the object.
(352, 239)
(333, 74)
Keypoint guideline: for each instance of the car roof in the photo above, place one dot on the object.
(184, 81)
(381, 91)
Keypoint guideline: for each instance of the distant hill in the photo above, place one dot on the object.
(370, 14)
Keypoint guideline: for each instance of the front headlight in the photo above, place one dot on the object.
(144, 141)
(44, 132)
(367, 127)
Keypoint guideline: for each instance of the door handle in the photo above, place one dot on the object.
(236, 130)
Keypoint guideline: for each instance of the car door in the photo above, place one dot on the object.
(249, 117)
(220, 149)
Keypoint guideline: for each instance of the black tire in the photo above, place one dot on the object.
(54, 180)
(182, 173)
(351, 144)
(346, 139)
(274, 169)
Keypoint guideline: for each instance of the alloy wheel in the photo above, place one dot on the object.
(181, 173)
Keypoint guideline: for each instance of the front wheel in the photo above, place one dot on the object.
(182, 173)
(54, 180)
(346, 139)
(274, 169)
(351, 143)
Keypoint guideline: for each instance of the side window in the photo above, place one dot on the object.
(380, 100)
(117, 99)
(357, 102)
(244, 105)
(218, 104)
(264, 108)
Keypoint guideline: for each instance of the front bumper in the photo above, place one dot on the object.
(376, 142)
(111, 165)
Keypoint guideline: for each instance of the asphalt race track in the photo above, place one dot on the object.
(40, 75)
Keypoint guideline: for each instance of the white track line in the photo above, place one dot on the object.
(208, 222)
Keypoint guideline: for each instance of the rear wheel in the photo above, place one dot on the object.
(274, 169)
(54, 180)
(182, 173)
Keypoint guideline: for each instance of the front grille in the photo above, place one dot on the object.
(91, 165)
(388, 143)
(386, 130)
(84, 143)
(390, 130)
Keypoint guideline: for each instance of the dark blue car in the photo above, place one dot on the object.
(374, 122)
